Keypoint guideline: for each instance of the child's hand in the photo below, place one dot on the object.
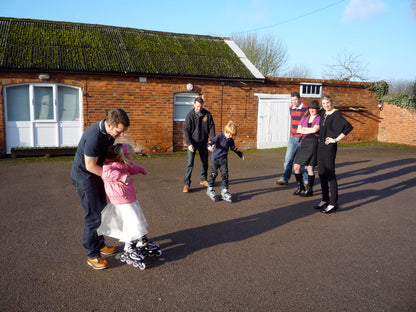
(243, 158)
(211, 148)
(143, 170)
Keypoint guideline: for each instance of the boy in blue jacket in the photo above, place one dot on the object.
(219, 147)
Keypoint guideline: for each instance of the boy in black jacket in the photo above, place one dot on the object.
(219, 160)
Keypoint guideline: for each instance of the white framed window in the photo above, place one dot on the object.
(311, 89)
(182, 104)
(42, 115)
(51, 102)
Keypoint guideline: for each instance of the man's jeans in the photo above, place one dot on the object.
(292, 148)
(93, 201)
(190, 157)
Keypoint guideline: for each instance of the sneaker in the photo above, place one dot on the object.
(97, 264)
(204, 183)
(186, 189)
(282, 183)
(107, 250)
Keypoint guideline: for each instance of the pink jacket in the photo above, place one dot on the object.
(116, 172)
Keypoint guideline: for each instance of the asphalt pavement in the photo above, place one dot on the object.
(267, 251)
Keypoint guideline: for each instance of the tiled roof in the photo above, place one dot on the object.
(38, 45)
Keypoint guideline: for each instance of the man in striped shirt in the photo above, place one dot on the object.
(297, 110)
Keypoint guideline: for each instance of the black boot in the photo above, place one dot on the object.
(301, 187)
(309, 188)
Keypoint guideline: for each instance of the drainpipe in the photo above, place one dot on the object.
(222, 100)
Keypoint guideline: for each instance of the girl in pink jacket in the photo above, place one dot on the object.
(123, 217)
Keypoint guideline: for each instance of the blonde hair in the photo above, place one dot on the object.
(231, 128)
(118, 152)
(327, 97)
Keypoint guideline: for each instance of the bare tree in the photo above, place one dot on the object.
(299, 71)
(268, 53)
(347, 67)
(401, 86)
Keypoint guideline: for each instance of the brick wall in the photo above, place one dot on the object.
(348, 97)
(150, 105)
(397, 125)
(365, 122)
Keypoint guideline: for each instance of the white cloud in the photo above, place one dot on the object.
(363, 9)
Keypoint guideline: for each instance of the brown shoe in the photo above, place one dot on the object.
(107, 250)
(204, 183)
(282, 183)
(97, 264)
(186, 189)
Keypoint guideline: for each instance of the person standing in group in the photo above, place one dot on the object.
(123, 217)
(198, 126)
(297, 109)
(86, 177)
(306, 154)
(222, 143)
(333, 128)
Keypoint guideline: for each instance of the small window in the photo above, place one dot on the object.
(311, 89)
(17, 103)
(44, 104)
(183, 103)
(68, 104)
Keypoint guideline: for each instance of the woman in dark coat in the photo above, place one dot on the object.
(333, 128)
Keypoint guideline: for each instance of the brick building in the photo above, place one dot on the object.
(58, 78)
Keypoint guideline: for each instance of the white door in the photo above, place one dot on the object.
(42, 115)
(273, 120)
(45, 130)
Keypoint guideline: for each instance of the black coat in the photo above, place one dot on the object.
(198, 127)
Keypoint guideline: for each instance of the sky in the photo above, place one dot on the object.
(381, 34)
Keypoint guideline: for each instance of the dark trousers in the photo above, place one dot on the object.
(93, 201)
(329, 183)
(326, 171)
(216, 165)
(189, 166)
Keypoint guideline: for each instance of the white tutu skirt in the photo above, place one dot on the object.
(125, 222)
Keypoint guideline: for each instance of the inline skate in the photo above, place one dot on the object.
(226, 196)
(211, 193)
(148, 248)
(133, 257)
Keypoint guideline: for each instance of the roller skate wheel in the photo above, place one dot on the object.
(139, 265)
(158, 253)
